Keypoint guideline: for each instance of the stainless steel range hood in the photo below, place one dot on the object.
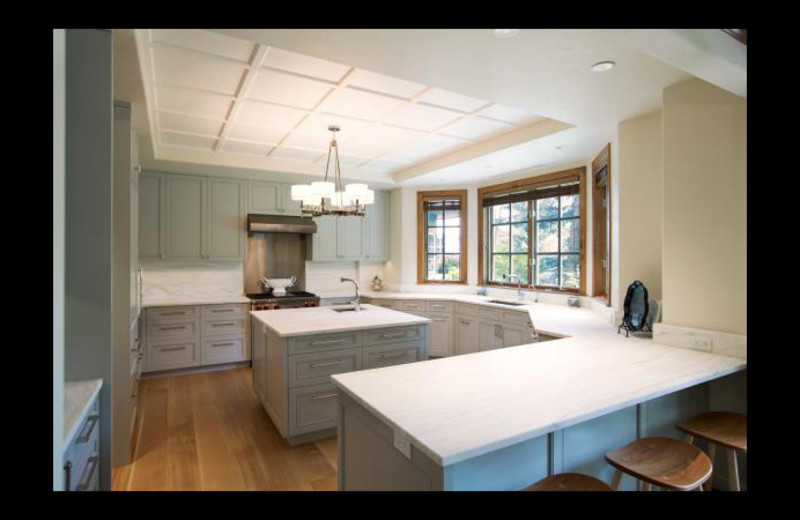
(280, 224)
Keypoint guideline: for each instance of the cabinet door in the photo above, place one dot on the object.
(349, 235)
(376, 228)
(324, 243)
(264, 197)
(289, 206)
(151, 219)
(514, 335)
(185, 217)
(225, 220)
(441, 332)
(466, 335)
(490, 334)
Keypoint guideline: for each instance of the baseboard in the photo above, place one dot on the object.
(194, 370)
(711, 341)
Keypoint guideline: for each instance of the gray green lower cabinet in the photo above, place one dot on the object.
(368, 459)
(291, 376)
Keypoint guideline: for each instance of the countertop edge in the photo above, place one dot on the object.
(419, 321)
(69, 435)
(177, 302)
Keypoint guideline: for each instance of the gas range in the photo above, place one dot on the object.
(291, 300)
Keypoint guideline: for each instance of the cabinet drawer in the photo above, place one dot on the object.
(322, 342)
(223, 327)
(518, 318)
(388, 304)
(81, 455)
(316, 368)
(222, 350)
(411, 305)
(156, 314)
(466, 310)
(492, 314)
(393, 334)
(394, 354)
(169, 354)
(223, 311)
(313, 408)
(439, 306)
(174, 329)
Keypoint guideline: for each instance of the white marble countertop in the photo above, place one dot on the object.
(194, 300)
(78, 395)
(317, 320)
(460, 407)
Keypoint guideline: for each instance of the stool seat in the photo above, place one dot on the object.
(569, 482)
(663, 462)
(727, 429)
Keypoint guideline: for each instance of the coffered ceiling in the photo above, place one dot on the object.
(222, 100)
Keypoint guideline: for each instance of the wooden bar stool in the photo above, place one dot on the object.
(659, 461)
(726, 429)
(569, 482)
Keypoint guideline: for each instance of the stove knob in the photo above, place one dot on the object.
(277, 306)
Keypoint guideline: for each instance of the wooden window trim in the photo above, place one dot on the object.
(602, 160)
(422, 197)
(548, 178)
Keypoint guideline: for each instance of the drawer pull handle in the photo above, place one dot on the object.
(394, 334)
(329, 342)
(464, 322)
(68, 470)
(174, 313)
(399, 354)
(315, 365)
(438, 306)
(226, 344)
(324, 396)
(222, 310)
(165, 349)
(90, 424)
(223, 324)
(177, 327)
(93, 460)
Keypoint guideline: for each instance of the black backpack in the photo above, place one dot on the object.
(636, 308)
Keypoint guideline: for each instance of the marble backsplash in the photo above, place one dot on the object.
(323, 278)
(191, 280)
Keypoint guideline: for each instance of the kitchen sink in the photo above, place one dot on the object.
(513, 304)
(346, 309)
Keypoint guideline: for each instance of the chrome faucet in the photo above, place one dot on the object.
(520, 294)
(357, 301)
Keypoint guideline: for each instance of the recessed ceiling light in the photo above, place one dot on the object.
(603, 66)
(505, 33)
(560, 147)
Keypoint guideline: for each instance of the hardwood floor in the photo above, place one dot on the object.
(208, 431)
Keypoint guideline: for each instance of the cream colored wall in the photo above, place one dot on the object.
(704, 208)
(639, 203)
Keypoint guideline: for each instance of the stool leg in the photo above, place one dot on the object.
(712, 451)
(646, 486)
(689, 438)
(616, 480)
(733, 471)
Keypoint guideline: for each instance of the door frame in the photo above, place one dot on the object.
(601, 226)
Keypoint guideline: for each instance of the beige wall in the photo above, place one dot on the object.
(704, 208)
(639, 203)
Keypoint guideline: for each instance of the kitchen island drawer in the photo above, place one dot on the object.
(223, 327)
(80, 457)
(316, 368)
(157, 314)
(322, 342)
(393, 334)
(466, 309)
(173, 353)
(412, 305)
(440, 306)
(229, 310)
(394, 354)
(160, 330)
(222, 349)
(313, 408)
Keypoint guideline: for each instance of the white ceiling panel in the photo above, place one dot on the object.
(262, 134)
(193, 102)
(186, 140)
(188, 124)
(357, 104)
(297, 154)
(208, 42)
(345, 161)
(381, 165)
(378, 139)
(427, 147)
(475, 128)
(245, 147)
(509, 115)
(313, 132)
(284, 89)
(385, 84)
(447, 99)
(421, 117)
(177, 66)
(305, 65)
(264, 114)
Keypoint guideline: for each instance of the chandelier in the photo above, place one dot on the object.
(329, 198)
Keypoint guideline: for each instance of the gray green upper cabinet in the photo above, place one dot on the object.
(325, 243)
(152, 222)
(185, 217)
(289, 206)
(376, 229)
(225, 227)
(265, 198)
(350, 233)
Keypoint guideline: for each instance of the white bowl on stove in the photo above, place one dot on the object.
(279, 285)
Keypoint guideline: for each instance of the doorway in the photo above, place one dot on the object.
(601, 228)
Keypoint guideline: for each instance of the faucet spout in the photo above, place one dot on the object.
(357, 301)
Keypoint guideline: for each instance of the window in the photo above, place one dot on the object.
(534, 229)
(442, 236)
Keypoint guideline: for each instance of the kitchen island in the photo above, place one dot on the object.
(503, 419)
(295, 352)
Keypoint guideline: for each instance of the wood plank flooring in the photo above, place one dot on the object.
(208, 431)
